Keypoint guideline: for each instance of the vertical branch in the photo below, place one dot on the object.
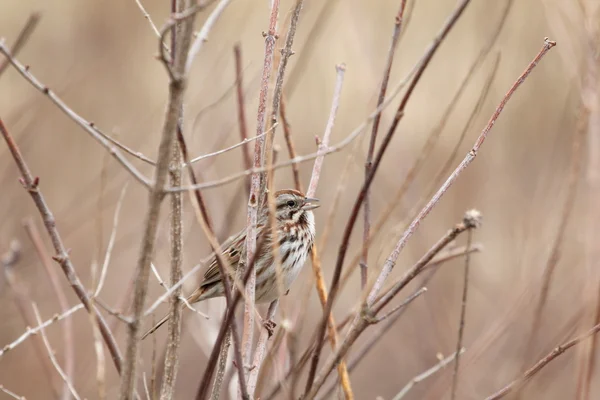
(463, 311)
(369, 162)
(68, 340)
(176, 91)
(257, 183)
(31, 184)
(171, 361)
(315, 259)
(22, 301)
(237, 51)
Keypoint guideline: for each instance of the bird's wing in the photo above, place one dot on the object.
(233, 249)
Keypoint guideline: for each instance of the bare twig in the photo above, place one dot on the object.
(421, 377)
(316, 262)
(62, 257)
(389, 264)
(542, 363)
(147, 17)
(287, 133)
(241, 109)
(22, 38)
(46, 260)
(33, 331)
(111, 242)
(23, 300)
(203, 34)
(359, 200)
(463, 313)
(65, 378)
(11, 393)
(176, 91)
(260, 350)
(369, 161)
(106, 141)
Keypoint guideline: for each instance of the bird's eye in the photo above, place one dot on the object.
(291, 203)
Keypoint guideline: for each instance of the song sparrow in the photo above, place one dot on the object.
(295, 226)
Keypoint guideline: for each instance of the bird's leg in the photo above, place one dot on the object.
(269, 325)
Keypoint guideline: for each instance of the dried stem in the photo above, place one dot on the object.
(177, 87)
(287, 133)
(46, 260)
(316, 261)
(33, 331)
(358, 203)
(463, 313)
(542, 363)
(241, 109)
(22, 38)
(261, 347)
(65, 378)
(421, 377)
(31, 184)
(372, 141)
(23, 300)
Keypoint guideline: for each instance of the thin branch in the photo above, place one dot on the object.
(33, 331)
(316, 261)
(175, 101)
(111, 241)
(202, 36)
(11, 393)
(360, 198)
(106, 141)
(46, 260)
(389, 264)
(31, 184)
(22, 300)
(421, 377)
(147, 17)
(369, 161)
(261, 347)
(65, 378)
(287, 133)
(241, 110)
(542, 363)
(22, 38)
(463, 316)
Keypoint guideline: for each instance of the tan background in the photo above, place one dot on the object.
(99, 57)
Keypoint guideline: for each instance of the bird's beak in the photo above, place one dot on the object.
(309, 204)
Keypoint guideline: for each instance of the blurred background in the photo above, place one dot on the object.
(99, 57)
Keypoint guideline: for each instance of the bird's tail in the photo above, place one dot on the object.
(155, 327)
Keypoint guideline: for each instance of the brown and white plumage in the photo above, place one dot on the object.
(295, 226)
